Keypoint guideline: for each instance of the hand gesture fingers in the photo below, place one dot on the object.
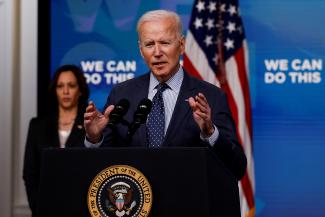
(95, 121)
(108, 110)
(201, 113)
(91, 112)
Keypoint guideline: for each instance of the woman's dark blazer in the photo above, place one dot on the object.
(43, 133)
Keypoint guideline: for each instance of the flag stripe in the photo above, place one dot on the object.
(198, 59)
(238, 86)
(190, 67)
(247, 136)
(244, 85)
(248, 190)
(245, 181)
(238, 105)
(243, 202)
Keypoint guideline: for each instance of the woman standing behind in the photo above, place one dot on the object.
(61, 128)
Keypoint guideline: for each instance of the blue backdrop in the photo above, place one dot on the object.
(287, 47)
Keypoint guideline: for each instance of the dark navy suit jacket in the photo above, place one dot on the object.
(182, 129)
(43, 133)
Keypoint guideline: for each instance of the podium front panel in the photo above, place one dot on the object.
(183, 181)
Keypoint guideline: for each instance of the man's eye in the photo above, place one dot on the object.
(166, 43)
(148, 45)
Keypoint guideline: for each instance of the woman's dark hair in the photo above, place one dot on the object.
(83, 87)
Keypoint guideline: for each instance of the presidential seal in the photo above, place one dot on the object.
(119, 190)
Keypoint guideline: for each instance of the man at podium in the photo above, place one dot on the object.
(185, 111)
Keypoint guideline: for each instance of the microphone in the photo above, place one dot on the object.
(120, 109)
(139, 116)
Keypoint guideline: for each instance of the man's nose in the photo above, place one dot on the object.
(157, 50)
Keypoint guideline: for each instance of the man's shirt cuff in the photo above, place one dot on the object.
(89, 144)
(211, 139)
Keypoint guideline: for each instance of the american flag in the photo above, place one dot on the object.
(216, 51)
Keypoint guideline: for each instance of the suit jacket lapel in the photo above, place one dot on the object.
(182, 108)
(76, 137)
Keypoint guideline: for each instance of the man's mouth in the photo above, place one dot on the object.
(159, 63)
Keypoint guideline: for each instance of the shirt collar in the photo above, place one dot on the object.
(174, 83)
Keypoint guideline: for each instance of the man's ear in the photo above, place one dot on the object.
(182, 44)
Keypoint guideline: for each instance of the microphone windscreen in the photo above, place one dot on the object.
(120, 109)
(142, 111)
(139, 116)
(144, 106)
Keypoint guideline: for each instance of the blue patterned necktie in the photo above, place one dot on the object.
(156, 119)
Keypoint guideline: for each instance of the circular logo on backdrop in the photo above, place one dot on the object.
(119, 190)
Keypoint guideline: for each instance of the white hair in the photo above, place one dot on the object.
(157, 15)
